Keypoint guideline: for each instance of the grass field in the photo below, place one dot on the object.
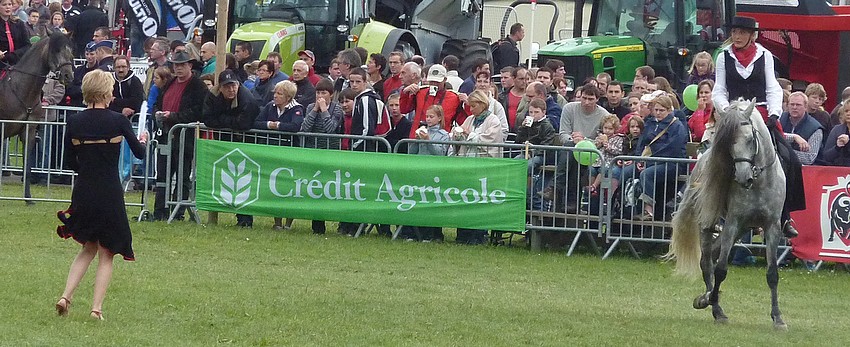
(219, 285)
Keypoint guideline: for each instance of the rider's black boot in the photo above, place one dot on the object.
(788, 230)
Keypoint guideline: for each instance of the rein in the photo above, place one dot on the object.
(53, 74)
(757, 170)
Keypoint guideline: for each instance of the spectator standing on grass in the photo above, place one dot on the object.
(400, 124)
(370, 116)
(181, 101)
(506, 50)
(231, 106)
(325, 116)
(432, 130)
(127, 90)
(347, 99)
(97, 218)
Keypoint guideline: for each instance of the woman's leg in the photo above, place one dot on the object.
(78, 269)
(102, 277)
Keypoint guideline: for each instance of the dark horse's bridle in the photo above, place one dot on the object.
(53, 74)
(757, 170)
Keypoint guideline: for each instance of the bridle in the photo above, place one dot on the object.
(52, 74)
(757, 170)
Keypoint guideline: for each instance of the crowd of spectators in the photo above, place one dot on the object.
(400, 97)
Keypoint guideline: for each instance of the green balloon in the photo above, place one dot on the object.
(585, 158)
(689, 96)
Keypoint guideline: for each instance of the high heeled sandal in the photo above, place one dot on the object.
(97, 315)
(62, 306)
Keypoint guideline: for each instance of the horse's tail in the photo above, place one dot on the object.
(685, 241)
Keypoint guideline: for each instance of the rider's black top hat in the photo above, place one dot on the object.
(743, 22)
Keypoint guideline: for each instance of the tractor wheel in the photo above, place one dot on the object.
(472, 50)
(452, 47)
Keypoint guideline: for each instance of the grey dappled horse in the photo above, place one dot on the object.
(741, 180)
(20, 90)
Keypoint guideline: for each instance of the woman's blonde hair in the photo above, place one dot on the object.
(97, 87)
(702, 55)
(664, 101)
(609, 119)
(479, 97)
(288, 88)
(438, 110)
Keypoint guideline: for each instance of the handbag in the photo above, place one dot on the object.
(647, 151)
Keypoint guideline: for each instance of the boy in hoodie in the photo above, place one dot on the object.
(370, 117)
(128, 91)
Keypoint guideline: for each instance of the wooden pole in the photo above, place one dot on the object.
(221, 35)
(220, 60)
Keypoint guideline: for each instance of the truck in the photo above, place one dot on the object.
(423, 27)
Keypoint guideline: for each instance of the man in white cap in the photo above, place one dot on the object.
(434, 92)
(308, 57)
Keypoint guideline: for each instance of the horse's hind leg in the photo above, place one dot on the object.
(706, 264)
(771, 236)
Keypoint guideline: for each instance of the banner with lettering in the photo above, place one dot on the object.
(398, 189)
(825, 224)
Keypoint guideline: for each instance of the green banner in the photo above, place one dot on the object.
(332, 185)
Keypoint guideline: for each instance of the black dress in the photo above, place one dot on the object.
(97, 212)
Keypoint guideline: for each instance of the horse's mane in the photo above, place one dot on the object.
(715, 176)
(55, 43)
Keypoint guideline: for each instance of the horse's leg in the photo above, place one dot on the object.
(771, 237)
(727, 240)
(29, 153)
(706, 264)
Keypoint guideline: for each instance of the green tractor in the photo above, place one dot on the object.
(626, 34)
(381, 26)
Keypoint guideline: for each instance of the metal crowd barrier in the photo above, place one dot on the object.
(48, 165)
(626, 199)
(180, 200)
(559, 197)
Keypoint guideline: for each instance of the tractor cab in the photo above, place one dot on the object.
(625, 34)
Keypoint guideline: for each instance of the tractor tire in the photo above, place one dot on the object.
(452, 47)
(472, 50)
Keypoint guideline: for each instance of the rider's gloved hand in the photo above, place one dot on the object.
(772, 121)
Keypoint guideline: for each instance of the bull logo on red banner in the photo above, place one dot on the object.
(835, 226)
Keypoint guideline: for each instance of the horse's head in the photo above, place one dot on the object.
(60, 58)
(741, 128)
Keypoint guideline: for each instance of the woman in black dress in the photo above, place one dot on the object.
(97, 217)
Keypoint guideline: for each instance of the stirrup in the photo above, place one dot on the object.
(788, 230)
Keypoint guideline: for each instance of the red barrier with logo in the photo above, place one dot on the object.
(825, 224)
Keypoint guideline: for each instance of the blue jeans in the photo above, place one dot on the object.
(652, 176)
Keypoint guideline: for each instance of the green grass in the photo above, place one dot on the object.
(219, 285)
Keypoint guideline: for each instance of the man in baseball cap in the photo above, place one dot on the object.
(231, 106)
(308, 57)
(420, 98)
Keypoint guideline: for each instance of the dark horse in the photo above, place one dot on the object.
(20, 90)
(741, 180)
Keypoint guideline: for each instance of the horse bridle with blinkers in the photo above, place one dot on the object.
(757, 170)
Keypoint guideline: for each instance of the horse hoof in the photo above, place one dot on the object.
(721, 320)
(781, 326)
(701, 302)
(30, 202)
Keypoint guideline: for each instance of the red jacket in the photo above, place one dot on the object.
(452, 110)
(697, 124)
(313, 77)
(391, 84)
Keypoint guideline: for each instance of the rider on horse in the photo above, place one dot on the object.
(745, 70)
